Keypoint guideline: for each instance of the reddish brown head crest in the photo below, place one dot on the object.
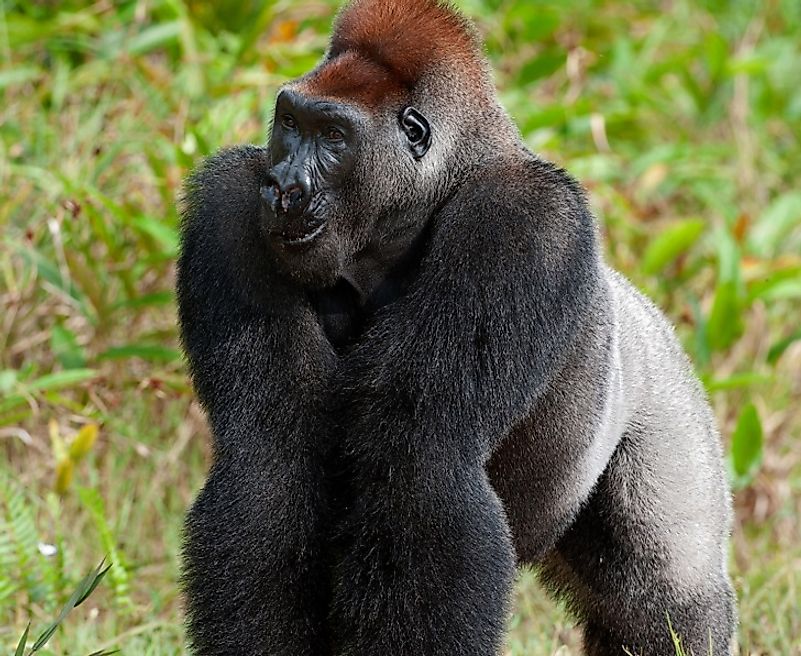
(381, 48)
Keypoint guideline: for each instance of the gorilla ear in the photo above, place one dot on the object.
(417, 131)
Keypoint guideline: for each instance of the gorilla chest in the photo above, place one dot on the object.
(344, 310)
(372, 282)
(340, 313)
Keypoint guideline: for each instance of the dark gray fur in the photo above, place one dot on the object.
(387, 448)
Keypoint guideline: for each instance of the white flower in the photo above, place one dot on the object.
(47, 549)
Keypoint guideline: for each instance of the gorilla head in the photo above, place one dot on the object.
(362, 147)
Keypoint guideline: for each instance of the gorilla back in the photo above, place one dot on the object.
(419, 373)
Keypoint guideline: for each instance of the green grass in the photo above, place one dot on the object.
(682, 118)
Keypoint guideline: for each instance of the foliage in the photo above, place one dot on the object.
(681, 118)
(86, 586)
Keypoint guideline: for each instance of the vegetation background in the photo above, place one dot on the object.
(682, 118)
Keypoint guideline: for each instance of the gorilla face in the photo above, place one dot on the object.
(318, 202)
(313, 151)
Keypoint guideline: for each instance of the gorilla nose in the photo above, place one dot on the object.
(287, 194)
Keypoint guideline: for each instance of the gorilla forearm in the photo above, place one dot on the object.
(254, 556)
(254, 572)
(251, 338)
(428, 566)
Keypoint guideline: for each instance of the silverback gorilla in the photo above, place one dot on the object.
(419, 373)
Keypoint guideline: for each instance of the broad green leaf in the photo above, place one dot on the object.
(716, 52)
(737, 381)
(746, 447)
(541, 66)
(763, 285)
(781, 346)
(783, 290)
(47, 383)
(670, 243)
(60, 380)
(725, 323)
(775, 223)
(728, 257)
(154, 299)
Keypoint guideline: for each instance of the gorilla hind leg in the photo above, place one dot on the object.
(647, 554)
(662, 637)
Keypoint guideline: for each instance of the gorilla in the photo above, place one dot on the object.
(420, 374)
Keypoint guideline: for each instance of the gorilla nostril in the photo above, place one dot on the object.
(270, 192)
(271, 195)
(292, 197)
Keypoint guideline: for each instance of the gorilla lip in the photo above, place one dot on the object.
(301, 235)
(293, 240)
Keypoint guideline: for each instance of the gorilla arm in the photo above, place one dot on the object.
(432, 387)
(253, 568)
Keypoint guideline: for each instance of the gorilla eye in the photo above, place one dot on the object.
(334, 134)
(288, 122)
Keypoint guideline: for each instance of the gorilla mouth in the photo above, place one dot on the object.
(292, 228)
(302, 234)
